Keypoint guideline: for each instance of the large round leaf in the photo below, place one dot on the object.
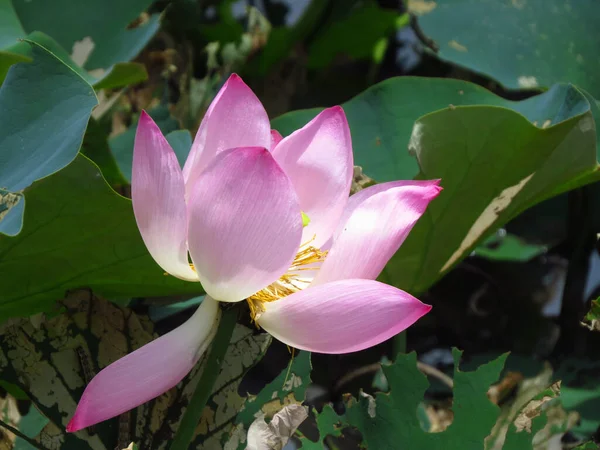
(78, 233)
(382, 117)
(44, 110)
(521, 43)
(103, 22)
(493, 164)
(77, 33)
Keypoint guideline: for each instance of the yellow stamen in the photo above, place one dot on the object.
(307, 258)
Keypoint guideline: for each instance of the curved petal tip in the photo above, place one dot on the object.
(147, 372)
(145, 117)
(158, 198)
(342, 316)
(235, 78)
(375, 223)
(77, 422)
(235, 118)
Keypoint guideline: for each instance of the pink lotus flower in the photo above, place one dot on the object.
(238, 208)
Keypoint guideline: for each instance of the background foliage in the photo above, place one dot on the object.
(495, 97)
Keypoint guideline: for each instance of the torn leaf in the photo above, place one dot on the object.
(287, 389)
(275, 435)
(535, 407)
(391, 421)
(54, 359)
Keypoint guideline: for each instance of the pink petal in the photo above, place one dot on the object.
(275, 138)
(373, 227)
(235, 118)
(158, 195)
(342, 316)
(147, 372)
(318, 160)
(245, 223)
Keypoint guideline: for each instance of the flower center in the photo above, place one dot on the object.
(295, 279)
